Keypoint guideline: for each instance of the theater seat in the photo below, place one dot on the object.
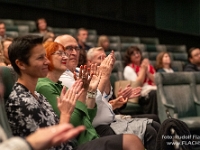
(175, 92)
(149, 40)
(129, 39)
(9, 78)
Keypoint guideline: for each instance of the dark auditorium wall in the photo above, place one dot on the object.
(141, 18)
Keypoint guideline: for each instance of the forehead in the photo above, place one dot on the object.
(195, 51)
(83, 31)
(2, 25)
(37, 50)
(70, 41)
(99, 53)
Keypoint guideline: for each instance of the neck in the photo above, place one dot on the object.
(7, 61)
(166, 66)
(54, 75)
(28, 82)
(137, 63)
(81, 43)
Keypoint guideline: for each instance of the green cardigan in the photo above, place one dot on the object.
(80, 116)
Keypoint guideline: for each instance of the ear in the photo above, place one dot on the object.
(21, 65)
(190, 59)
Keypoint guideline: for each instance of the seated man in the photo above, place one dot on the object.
(194, 60)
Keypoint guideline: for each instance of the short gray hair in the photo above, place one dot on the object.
(92, 50)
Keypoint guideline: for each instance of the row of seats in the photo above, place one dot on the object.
(179, 93)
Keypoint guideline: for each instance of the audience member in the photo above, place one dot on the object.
(26, 109)
(82, 35)
(2, 31)
(42, 27)
(104, 42)
(194, 60)
(138, 69)
(106, 117)
(6, 43)
(163, 63)
(85, 108)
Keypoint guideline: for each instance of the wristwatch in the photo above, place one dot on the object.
(91, 95)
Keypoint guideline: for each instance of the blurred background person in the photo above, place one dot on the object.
(82, 35)
(163, 63)
(104, 42)
(2, 31)
(6, 43)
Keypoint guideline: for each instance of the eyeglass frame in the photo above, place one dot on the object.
(60, 53)
(71, 48)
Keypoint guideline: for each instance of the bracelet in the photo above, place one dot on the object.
(91, 95)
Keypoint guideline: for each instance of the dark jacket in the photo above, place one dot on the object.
(191, 67)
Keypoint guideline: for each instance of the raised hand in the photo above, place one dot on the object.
(107, 65)
(135, 92)
(126, 92)
(96, 76)
(118, 102)
(56, 135)
(84, 75)
(67, 100)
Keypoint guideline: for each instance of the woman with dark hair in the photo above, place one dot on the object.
(163, 63)
(139, 69)
(85, 107)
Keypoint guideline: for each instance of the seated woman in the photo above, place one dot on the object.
(163, 63)
(85, 109)
(4, 51)
(28, 110)
(138, 69)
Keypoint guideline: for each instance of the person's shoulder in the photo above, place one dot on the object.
(190, 67)
(161, 70)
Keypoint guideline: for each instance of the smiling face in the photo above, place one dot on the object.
(38, 63)
(59, 59)
(136, 57)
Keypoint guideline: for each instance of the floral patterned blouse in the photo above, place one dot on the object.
(26, 113)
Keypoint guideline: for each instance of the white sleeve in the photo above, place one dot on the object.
(109, 95)
(67, 80)
(130, 74)
(15, 143)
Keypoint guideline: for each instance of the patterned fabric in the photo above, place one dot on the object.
(26, 113)
(150, 69)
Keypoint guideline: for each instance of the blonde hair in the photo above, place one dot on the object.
(92, 50)
(101, 40)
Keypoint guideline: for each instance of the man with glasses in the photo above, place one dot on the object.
(73, 51)
(194, 60)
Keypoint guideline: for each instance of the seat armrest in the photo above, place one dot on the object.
(197, 102)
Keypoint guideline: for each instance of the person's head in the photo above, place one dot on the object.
(2, 29)
(95, 55)
(194, 56)
(163, 59)
(6, 43)
(27, 56)
(133, 55)
(55, 53)
(82, 35)
(71, 48)
(48, 37)
(41, 24)
(103, 42)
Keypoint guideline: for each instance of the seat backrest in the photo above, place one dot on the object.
(149, 40)
(197, 81)
(176, 89)
(9, 78)
(129, 39)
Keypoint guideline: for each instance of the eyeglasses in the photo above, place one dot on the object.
(71, 48)
(60, 53)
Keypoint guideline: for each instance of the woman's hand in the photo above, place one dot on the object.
(118, 102)
(55, 136)
(96, 76)
(67, 100)
(135, 92)
(84, 75)
(126, 92)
